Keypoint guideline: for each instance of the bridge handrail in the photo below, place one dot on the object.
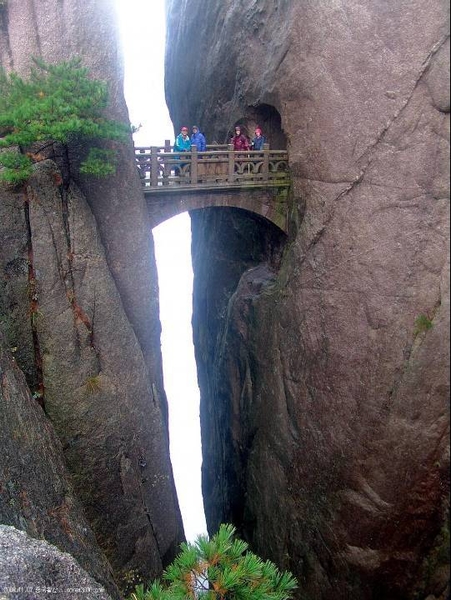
(220, 164)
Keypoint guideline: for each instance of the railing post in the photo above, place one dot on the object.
(265, 168)
(231, 176)
(154, 166)
(141, 165)
(194, 164)
(166, 166)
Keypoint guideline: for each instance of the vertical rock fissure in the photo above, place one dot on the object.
(39, 391)
(36, 28)
(68, 279)
(4, 17)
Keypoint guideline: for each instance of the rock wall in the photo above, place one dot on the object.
(36, 493)
(30, 568)
(79, 303)
(325, 376)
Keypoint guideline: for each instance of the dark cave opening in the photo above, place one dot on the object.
(269, 120)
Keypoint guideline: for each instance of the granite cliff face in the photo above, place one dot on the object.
(29, 566)
(36, 494)
(79, 304)
(323, 359)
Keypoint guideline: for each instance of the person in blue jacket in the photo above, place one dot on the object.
(198, 139)
(182, 144)
(182, 141)
(259, 140)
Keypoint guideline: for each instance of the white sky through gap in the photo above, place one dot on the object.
(143, 30)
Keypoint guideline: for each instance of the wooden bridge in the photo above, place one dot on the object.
(253, 180)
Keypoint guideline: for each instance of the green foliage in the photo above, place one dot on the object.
(93, 384)
(422, 323)
(219, 568)
(17, 167)
(140, 593)
(99, 163)
(57, 103)
(36, 316)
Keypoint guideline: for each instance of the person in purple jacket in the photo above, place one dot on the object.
(239, 140)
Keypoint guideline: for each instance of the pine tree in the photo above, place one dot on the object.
(57, 103)
(219, 568)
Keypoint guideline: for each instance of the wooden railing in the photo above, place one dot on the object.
(218, 166)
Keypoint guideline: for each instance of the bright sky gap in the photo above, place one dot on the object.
(143, 29)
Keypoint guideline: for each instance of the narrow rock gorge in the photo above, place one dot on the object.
(323, 356)
(322, 350)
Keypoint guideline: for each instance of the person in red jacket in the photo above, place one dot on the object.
(239, 140)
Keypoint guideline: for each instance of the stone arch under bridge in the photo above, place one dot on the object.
(270, 203)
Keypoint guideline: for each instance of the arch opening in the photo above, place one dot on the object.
(270, 204)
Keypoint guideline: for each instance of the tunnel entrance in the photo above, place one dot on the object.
(269, 120)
